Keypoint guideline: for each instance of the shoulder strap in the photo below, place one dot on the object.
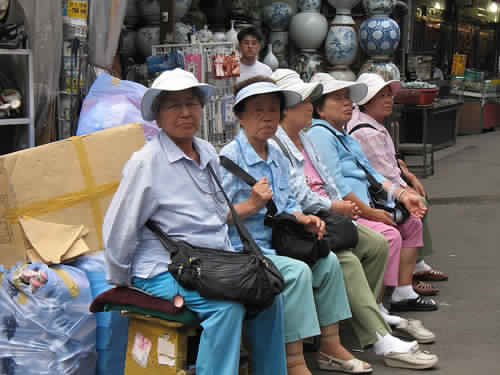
(361, 126)
(235, 169)
(282, 147)
(335, 134)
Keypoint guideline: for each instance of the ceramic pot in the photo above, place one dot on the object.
(373, 7)
(277, 15)
(146, 37)
(182, 32)
(379, 36)
(219, 37)
(132, 16)
(343, 74)
(204, 35)
(217, 12)
(309, 5)
(343, 11)
(232, 34)
(307, 63)
(149, 11)
(270, 60)
(341, 45)
(128, 47)
(279, 40)
(387, 69)
(308, 29)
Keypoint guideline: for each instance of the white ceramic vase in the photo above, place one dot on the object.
(232, 34)
(343, 11)
(308, 29)
(270, 60)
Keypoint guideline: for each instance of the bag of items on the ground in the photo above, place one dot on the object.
(112, 102)
(112, 327)
(45, 324)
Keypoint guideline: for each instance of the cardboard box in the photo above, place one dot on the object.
(67, 182)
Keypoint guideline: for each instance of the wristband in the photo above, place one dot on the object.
(400, 194)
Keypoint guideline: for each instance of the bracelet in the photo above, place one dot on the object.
(400, 194)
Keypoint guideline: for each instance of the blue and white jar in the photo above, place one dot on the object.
(341, 45)
(309, 5)
(277, 15)
(379, 36)
(373, 7)
(387, 69)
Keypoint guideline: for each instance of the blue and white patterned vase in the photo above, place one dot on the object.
(343, 11)
(373, 7)
(307, 63)
(341, 45)
(277, 15)
(379, 36)
(279, 40)
(309, 5)
(387, 69)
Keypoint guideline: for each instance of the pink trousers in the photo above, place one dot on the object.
(407, 235)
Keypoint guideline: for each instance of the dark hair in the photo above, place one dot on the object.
(162, 96)
(252, 31)
(240, 107)
(318, 106)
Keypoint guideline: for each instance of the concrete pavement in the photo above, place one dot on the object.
(465, 223)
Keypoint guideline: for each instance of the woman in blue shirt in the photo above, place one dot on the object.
(168, 181)
(315, 299)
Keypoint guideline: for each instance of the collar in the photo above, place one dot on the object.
(250, 156)
(323, 122)
(174, 153)
(359, 117)
(283, 136)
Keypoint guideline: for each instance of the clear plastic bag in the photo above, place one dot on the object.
(112, 102)
(46, 328)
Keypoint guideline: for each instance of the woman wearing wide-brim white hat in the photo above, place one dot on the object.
(341, 154)
(169, 182)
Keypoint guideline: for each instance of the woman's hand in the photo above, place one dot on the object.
(419, 188)
(414, 204)
(381, 216)
(312, 224)
(347, 208)
(261, 194)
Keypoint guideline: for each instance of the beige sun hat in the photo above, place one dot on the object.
(171, 80)
(375, 83)
(289, 79)
(356, 90)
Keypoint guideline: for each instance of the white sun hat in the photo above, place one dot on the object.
(171, 80)
(375, 83)
(357, 90)
(289, 79)
(263, 87)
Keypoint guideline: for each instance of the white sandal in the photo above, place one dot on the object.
(350, 366)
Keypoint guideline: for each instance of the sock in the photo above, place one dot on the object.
(403, 292)
(422, 267)
(393, 320)
(389, 343)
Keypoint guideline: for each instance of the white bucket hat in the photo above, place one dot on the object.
(291, 97)
(375, 83)
(171, 80)
(356, 90)
(289, 79)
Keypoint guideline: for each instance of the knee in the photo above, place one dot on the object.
(394, 239)
(351, 264)
(380, 245)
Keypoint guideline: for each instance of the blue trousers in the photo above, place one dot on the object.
(219, 351)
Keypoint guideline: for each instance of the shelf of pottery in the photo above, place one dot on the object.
(216, 63)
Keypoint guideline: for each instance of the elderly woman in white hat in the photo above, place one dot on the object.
(367, 127)
(314, 297)
(168, 181)
(315, 189)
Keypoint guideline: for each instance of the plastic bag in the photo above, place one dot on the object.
(113, 102)
(46, 328)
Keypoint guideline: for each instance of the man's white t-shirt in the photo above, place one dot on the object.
(257, 69)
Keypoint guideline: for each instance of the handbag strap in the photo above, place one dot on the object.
(372, 180)
(235, 169)
(247, 240)
(361, 126)
(282, 147)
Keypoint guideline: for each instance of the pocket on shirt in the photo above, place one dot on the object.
(281, 196)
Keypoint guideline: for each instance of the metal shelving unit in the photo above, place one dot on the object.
(24, 57)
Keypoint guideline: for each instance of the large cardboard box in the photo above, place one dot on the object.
(68, 182)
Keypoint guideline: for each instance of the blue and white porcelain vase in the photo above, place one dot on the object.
(373, 7)
(307, 63)
(379, 36)
(279, 41)
(309, 5)
(308, 29)
(387, 69)
(343, 11)
(277, 15)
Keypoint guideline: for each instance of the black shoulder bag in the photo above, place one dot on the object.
(289, 237)
(377, 193)
(247, 277)
(341, 233)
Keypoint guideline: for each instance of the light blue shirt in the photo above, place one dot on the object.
(275, 169)
(342, 164)
(160, 182)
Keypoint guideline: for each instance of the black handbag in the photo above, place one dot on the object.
(378, 195)
(289, 237)
(247, 277)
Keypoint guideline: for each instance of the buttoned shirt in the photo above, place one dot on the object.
(275, 169)
(305, 196)
(377, 145)
(348, 176)
(160, 182)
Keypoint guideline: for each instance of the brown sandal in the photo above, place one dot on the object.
(424, 289)
(431, 275)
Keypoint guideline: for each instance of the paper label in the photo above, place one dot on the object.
(140, 349)
(78, 9)
(166, 351)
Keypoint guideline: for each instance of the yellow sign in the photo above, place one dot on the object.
(458, 65)
(78, 9)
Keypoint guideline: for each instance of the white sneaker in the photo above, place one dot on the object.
(414, 329)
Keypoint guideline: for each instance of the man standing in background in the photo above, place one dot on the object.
(250, 42)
